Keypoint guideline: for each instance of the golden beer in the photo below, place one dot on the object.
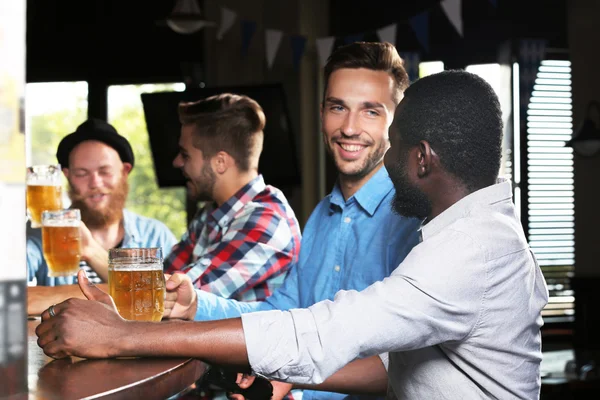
(43, 191)
(41, 198)
(136, 283)
(61, 241)
(138, 292)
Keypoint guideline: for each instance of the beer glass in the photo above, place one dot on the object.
(61, 241)
(136, 282)
(43, 191)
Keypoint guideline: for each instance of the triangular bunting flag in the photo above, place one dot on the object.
(353, 38)
(411, 64)
(453, 10)
(420, 25)
(388, 34)
(324, 47)
(298, 43)
(248, 29)
(272, 41)
(227, 20)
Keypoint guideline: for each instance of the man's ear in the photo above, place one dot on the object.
(221, 162)
(425, 159)
(127, 167)
(65, 172)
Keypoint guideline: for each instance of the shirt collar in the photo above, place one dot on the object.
(500, 191)
(369, 196)
(223, 215)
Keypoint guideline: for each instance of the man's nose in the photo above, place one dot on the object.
(178, 161)
(351, 126)
(95, 180)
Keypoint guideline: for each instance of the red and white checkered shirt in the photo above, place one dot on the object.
(242, 249)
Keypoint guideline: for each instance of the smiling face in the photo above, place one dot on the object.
(98, 182)
(357, 111)
(199, 175)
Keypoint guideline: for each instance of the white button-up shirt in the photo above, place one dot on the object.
(460, 317)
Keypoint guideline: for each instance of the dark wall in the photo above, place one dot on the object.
(485, 26)
(106, 40)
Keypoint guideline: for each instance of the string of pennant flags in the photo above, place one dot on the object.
(273, 37)
(531, 51)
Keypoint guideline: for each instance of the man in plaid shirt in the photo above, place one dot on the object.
(242, 243)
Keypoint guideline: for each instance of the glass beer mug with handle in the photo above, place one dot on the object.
(61, 241)
(44, 191)
(136, 282)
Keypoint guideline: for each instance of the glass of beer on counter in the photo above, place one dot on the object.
(136, 282)
(61, 241)
(44, 191)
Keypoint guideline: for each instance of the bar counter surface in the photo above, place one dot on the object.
(123, 378)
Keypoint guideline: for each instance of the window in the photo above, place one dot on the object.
(430, 67)
(550, 186)
(498, 76)
(52, 110)
(126, 114)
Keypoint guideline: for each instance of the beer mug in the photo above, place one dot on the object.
(61, 241)
(136, 282)
(43, 191)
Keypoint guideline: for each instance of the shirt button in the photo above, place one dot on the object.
(337, 268)
(347, 220)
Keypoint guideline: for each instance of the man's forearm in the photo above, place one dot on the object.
(366, 376)
(219, 342)
(39, 298)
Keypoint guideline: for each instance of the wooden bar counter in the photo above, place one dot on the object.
(123, 378)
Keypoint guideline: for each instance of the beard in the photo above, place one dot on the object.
(99, 218)
(408, 200)
(369, 164)
(205, 186)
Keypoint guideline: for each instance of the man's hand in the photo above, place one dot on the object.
(244, 381)
(93, 253)
(181, 299)
(83, 328)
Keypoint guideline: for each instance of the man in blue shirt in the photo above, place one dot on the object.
(352, 239)
(96, 161)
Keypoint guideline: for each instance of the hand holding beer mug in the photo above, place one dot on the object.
(43, 191)
(136, 282)
(61, 241)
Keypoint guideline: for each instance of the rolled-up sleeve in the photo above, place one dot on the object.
(414, 308)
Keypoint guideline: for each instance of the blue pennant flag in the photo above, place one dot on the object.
(248, 29)
(411, 64)
(298, 43)
(420, 24)
(354, 38)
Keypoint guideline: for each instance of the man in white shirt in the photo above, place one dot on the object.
(459, 318)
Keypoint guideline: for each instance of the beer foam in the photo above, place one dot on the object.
(128, 266)
(61, 223)
(42, 182)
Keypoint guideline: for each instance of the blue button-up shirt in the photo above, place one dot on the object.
(346, 245)
(139, 232)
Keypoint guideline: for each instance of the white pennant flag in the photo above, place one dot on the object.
(272, 39)
(453, 10)
(388, 34)
(324, 47)
(227, 20)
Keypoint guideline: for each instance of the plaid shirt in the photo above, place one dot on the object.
(242, 249)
